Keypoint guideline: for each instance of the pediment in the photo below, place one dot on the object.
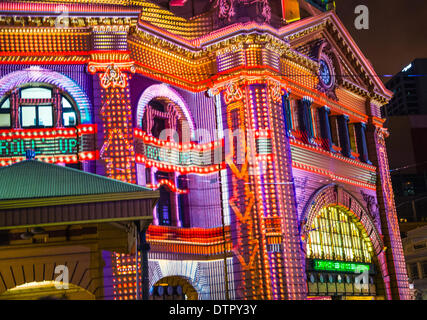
(325, 35)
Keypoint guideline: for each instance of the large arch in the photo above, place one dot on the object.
(332, 194)
(165, 91)
(37, 265)
(51, 290)
(37, 74)
(185, 284)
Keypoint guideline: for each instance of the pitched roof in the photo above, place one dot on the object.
(35, 179)
(303, 25)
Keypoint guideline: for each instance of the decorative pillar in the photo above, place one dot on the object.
(361, 142)
(57, 107)
(286, 110)
(153, 181)
(14, 109)
(115, 113)
(325, 127)
(344, 135)
(176, 221)
(396, 280)
(261, 194)
(287, 260)
(144, 247)
(306, 120)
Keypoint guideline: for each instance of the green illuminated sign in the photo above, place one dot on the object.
(43, 146)
(340, 266)
(167, 155)
(176, 157)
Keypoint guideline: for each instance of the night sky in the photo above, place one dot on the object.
(397, 32)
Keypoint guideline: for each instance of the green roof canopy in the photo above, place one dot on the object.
(34, 193)
(35, 179)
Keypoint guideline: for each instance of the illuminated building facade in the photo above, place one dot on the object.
(258, 121)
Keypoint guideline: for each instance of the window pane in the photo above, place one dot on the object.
(28, 116)
(5, 114)
(338, 237)
(36, 93)
(4, 120)
(5, 106)
(69, 119)
(45, 116)
(66, 104)
(164, 207)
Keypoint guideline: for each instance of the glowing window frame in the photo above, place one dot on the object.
(338, 244)
(37, 74)
(56, 104)
(159, 91)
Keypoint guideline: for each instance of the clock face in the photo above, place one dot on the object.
(325, 73)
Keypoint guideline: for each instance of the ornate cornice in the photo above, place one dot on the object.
(71, 22)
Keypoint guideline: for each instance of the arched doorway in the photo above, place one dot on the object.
(173, 288)
(338, 253)
(343, 247)
(47, 290)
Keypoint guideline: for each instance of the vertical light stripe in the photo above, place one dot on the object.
(224, 181)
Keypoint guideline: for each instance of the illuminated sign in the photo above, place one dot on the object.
(340, 266)
(69, 145)
(167, 155)
(43, 146)
(192, 154)
(189, 157)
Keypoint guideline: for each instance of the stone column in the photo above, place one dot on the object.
(325, 127)
(114, 116)
(306, 121)
(344, 135)
(268, 260)
(361, 142)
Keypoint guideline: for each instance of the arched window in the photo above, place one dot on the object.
(163, 119)
(163, 114)
(69, 116)
(37, 106)
(335, 235)
(340, 258)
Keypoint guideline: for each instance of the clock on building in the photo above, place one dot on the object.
(325, 74)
